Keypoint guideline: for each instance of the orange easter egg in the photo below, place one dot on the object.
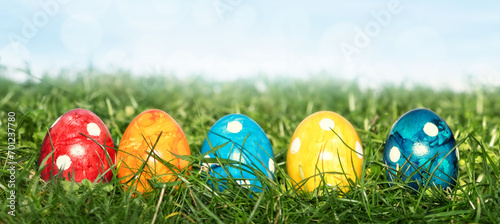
(325, 146)
(151, 132)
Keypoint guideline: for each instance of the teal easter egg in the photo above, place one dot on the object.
(421, 147)
(241, 140)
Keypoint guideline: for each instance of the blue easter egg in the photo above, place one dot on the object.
(421, 146)
(237, 137)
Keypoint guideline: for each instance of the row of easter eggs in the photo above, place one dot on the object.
(325, 148)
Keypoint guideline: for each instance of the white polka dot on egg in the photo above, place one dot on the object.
(243, 182)
(394, 154)
(359, 150)
(295, 146)
(206, 164)
(234, 127)
(430, 129)
(271, 165)
(325, 156)
(63, 162)
(77, 150)
(93, 129)
(420, 149)
(236, 156)
(327, 124)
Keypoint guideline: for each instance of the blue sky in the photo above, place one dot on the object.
(453, 43)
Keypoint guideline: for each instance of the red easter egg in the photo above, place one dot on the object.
(81, 148)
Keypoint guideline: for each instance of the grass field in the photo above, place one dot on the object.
(278, 106)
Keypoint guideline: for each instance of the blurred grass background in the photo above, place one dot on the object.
(278, 105)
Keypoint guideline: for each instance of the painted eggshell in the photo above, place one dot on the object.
(421, 144)
(324, 142)
(78, 138)
(134, 151)
(246, 143)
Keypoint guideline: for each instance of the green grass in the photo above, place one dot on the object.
(196, 103)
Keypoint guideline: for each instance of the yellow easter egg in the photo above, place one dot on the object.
(325, 146)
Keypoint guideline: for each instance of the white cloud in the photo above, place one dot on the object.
(81, 33)
(154, 16)
(292, 38)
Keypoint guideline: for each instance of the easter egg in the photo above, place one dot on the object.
(78, 146)
(148, 149)
(420, 146)
(240, 139)
(325, 149)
